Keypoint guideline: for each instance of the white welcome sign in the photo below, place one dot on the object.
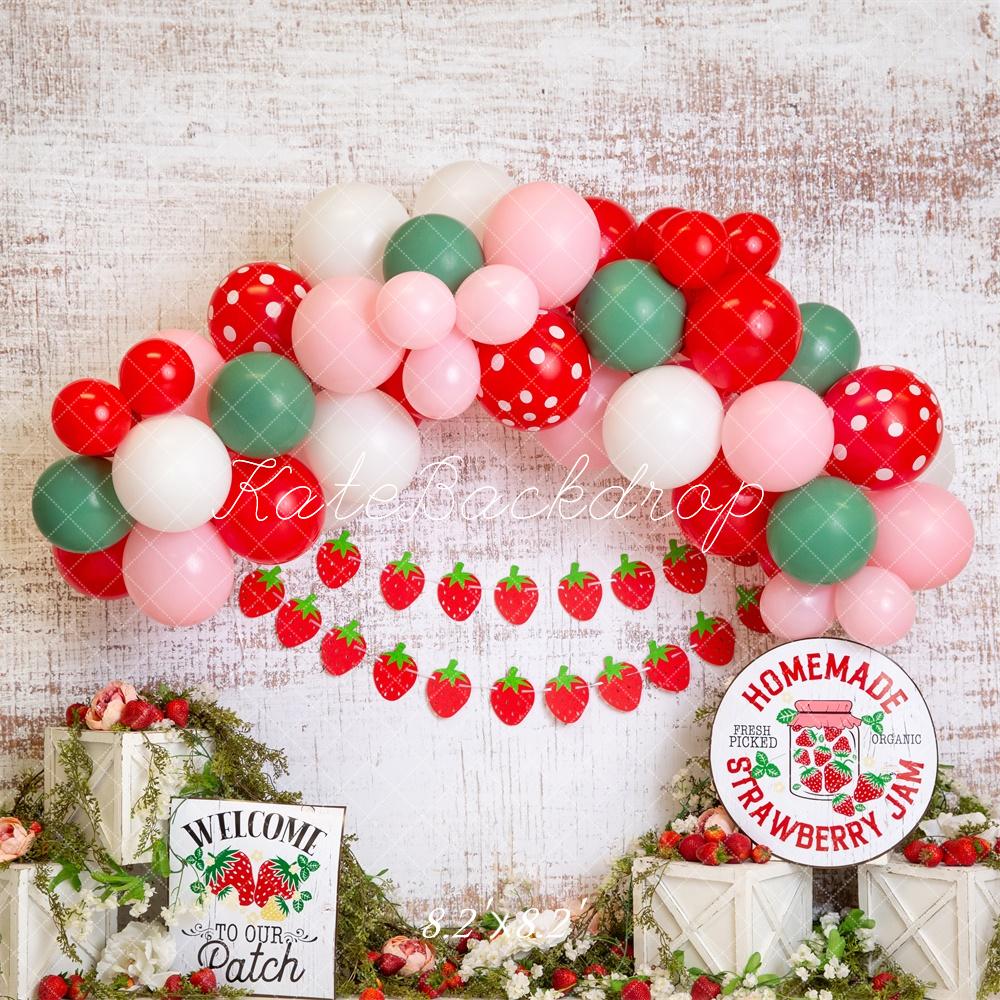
(253, 886)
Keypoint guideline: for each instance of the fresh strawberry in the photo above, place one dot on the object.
(871, 786)
(685, 567)
(231, 870)
(566, 695)
(337, 560)
(512, 697)
(516, 597)
(805, 739)
(960, 852)
(761, 854)
(563, 979)
(75, 714)
(370, 993)
(704, 988)
(342, 649)
(845, 805)
(298, 620)
(466, 939)
(739, 847)
(802, 757)
(77, 987)
(689, 846)
(394, 672)
(580, 593)
(836, 774)
(636, 989)
(458, 593)
(822, 755)
(812, 778)
(882, 980)
(401, 581)
(389, 964)
(261, 592)
(932, 856)
(912, 850)
(204, 980)
(448, 689)
(842, 745)
(620, 685)
(633, 583)
(982, 846)
(178, 711)
(713, 639)
(173, 985)
(668, 841)
(832, 733)
(748, 609)
(52, 988)
(713, 853)
(140, 715)
(668, 667)
(595, 970)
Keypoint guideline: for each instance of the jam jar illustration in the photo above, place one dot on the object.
(824, 752)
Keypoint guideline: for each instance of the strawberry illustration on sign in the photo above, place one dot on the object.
(566, 695)
(342, 649)
(458, 593)
(713, 639)
(230, 871)
(871, 787)
(836, 775)
(846, 806)
(337, 560)
(580, 593)
(620, 685)
(685, 567)
(512, 697)
(298, 621)
(395, 672)
(668, 667)
(748, 609)
(633, 583)
(402, 582)
(516, 597)
(261, 592)
(279, 881)
(448, 690)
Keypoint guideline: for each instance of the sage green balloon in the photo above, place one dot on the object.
(437, 244)
(830, 348)
(630, 318)
(75, 505)
(822, 532)
(261, 405)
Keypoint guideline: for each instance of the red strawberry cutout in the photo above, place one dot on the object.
(261, 592)
(620, 685)
(394, 672)
(337, 560)
(298, 621)
(871, 787)
(402, 582)
(580, 593)
(633, 583)
(668, 667)
(685, 567)
(845, 805)
(566, 695)
(459, 592)
(512, 697)
(812, 778)
(836, 774)
(448, 690)
(516, 597)
(713, 639)
(342, 649)
(230, 871)
(748, 609)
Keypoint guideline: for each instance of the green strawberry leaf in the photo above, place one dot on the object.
(758, 772)
(515, 580)
(198, 888)
(703, 626)
(676, 553)
(576, 577)
(405, 566)
(772, 771)
(786, 715)
(459, 576)
(341, 544)
(271, 578)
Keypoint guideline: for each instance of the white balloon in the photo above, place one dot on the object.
(171, 473)
(663, 427)
(344, 230)
(361, 446)
(466, 191)
(942, 470)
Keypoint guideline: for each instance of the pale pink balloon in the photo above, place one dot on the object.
(580, 433)
(335, 339)
(778, 435)
(442, 381)
(875, 607)
(496, 304)
(415, 310)
(795, 610)
(550, 233)
(177, 577)
(206, 360)
(925, 535)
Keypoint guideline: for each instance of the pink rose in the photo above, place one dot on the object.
(716, 816)
(417, 955)
(15, 841)
(106, 706)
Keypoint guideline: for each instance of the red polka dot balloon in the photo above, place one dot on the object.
(252, 309)
(539, 379)
(887, 426)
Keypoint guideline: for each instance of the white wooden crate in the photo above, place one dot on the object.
(719, 916)
(936, 922)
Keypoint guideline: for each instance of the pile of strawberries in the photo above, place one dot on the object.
(61, 986)
(713, 847)
(960, 852)
(139, 715)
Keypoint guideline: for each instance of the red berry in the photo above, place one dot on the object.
(204, 980)
(689, 846)
(760, 855)
(52, 988)
(704, 988)
(402, 582)
(140, 715)
(563, 979)
(739, 846)
(261, 592)
(178, 711)
(516, 597)
(636, 989)
(75, 713)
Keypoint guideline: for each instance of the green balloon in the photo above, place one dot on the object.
(630, 318)
(75, 505)
(261, 405)
(830, 348)
(437, 244)
(822, 532)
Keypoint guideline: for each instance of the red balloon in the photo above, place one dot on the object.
(618, 229)
(94, 574)
(743, 331)
(90, 416)
(393, 386)
(693, 250)
(887, 426)
(647, 234)
(156, 376)
(754, 242)
(539, 379)
(274, 511)
(252, 309)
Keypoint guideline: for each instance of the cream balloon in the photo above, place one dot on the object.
(941, 471)
(466, 191)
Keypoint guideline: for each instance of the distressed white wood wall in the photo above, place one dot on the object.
(149, 148)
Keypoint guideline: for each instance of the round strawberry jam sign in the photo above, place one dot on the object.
(824, 750)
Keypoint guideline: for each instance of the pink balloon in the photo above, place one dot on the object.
(778, 435)
(335, 338)
(925, 535)
(496, 304)
(442, 381)
(580, 433)
(795, 610)
(550, 233)
(206, 360)
(415, 309)
(178, 577)
(875, 606)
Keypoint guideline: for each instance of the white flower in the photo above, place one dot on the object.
(686, 825)
(835, 969)
(144, 952)
(578, 947)
(536, 971)
(750, 980)
(802, 972)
